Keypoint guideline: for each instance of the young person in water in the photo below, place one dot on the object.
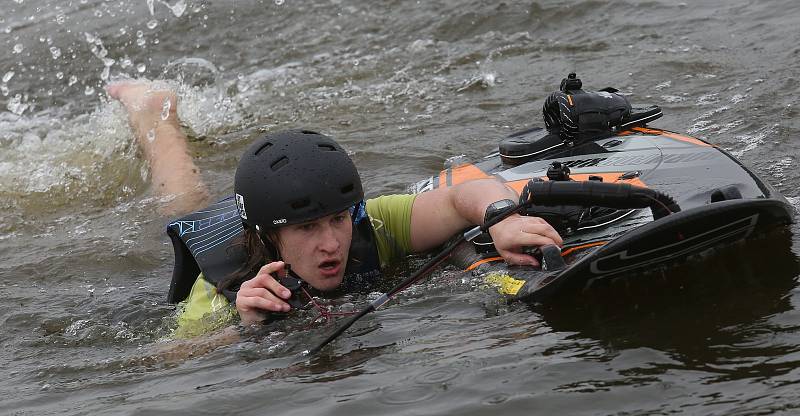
(301, 203)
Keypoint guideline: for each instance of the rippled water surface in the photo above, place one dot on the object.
(404, 85)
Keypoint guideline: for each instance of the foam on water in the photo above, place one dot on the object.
(49, 160)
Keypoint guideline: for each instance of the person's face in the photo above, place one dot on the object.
(317, 250)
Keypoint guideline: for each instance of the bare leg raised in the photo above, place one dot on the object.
(153, 116)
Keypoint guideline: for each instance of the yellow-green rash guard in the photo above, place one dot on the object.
(205, 309)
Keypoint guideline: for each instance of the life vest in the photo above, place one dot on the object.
(206, 241)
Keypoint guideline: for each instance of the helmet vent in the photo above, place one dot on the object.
(279, 163)
(327, 147)
(309, 132)
(300, 203)
(263, 147)
(347, 188)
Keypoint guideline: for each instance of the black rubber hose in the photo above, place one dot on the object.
(595, 193)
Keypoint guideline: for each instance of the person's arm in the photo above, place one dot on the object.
(153, 116)
(437, 215)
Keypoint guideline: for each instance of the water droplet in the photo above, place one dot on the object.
(279, 2)
(16, 106)
(56, 52)
(141, 42)
(126, 62)
(165, 106)
(151, 7)
(139, 33)
(151, 135)
(18, 48)
(89, 90)
(60, 19)
(178, 8)
(7, 77)
(4, 90)
(59, 75)
(122, 31)
(141, 68)
(72, 80)
(152, 24)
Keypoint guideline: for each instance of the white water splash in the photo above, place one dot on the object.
(420, 45)
(663, 85)
(737, 98)
(177, 9)
(778, 168)
(707, 99)
(480, 81)
(752, 141)
(100, 52)
(672, 99)
(76, 326)
(712, 112)
(17, 104)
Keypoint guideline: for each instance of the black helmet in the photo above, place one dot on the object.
(292, 177)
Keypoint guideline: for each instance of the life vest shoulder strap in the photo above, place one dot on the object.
(202, 242)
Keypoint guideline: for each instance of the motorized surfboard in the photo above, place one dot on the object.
(721, 201)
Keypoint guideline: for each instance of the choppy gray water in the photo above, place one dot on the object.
(404, 85)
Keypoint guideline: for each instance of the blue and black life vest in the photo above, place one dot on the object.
(208, 241)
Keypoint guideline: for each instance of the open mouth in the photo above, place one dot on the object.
(331, 266)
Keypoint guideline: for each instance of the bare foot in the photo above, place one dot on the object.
(149, 108)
